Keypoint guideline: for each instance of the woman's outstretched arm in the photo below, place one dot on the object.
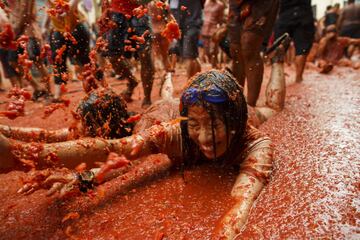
(254, 173)
(35, 134)
(162, 138)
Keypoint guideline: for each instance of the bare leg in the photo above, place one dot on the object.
(6, 160)
(44, 75)
(254, 66)
(122, 68)
(276, 88)
(15, 81)
(192, 67)
(166, 89)
(214, 56)
(1, 84)
(147, 76)
(300, 61)
(164, 49)
(238, 64)
(173, 60)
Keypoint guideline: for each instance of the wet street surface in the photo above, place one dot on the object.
(313, 192)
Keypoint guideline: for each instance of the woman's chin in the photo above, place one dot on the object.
(210, 155)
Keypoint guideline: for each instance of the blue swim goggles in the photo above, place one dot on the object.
(211, 94)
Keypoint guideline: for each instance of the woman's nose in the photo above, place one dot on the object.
(205, 136)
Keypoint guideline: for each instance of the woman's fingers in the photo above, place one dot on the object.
(55, 188)
(58, 177)
(28, 188)
(136, 148)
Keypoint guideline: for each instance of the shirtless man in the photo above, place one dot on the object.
(250, 22)
(331, 49)
(213, 16)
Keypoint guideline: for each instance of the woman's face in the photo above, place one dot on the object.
(200, 131)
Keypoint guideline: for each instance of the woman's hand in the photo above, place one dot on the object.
(62, 180)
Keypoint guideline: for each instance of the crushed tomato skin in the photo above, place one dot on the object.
(60, 7)
(7, 37)
(16, 106)
(171, 31)
(114, 161)
(53, 107)
(134, 118)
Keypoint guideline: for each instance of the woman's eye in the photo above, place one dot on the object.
(218, 124)
(193, 125)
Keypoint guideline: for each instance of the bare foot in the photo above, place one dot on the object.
(326, 68)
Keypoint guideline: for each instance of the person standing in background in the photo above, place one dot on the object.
(296, 18)
(250, 22)
(188, 15)
(213, 17)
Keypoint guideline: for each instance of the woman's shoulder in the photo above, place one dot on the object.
(254, 135)
(254, 139)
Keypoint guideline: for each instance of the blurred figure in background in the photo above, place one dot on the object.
(213, 18)
(349, 23)
(188, 15)
(331, 50)
(22, 18)
(296, 18)
(250, 22)
(124, 42)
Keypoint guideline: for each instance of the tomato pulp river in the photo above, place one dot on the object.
(313, 191)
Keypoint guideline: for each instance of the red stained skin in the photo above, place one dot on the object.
(312, 193)
(140, 11)
(16, 106)
(53, 107)
(28, 154)
(68, 36)
(60, 7)
(7, 37)
(245, 11)
(134, 118)
(114, 161)
(59, 53)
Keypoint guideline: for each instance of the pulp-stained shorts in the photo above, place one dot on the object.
(259, 21)
(5, 55)
(118, 36)
(352, 31)
(78, 53)
(188, 44)
(301, 33)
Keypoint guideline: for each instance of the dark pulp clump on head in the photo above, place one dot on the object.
(104, 114)
(222, 97)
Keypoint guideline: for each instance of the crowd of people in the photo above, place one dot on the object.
(104, 39)
(61, 35)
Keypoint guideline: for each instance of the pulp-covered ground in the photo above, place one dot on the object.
(313, 192)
